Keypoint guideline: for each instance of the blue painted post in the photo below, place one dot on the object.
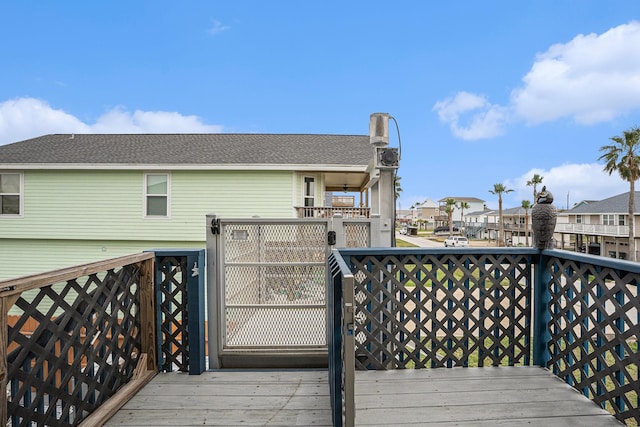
(195, 308)
(195, 305)
(541, 315)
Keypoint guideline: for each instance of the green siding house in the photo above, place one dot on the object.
(71, 199)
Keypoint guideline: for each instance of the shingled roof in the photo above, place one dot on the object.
(189, 149)
(617, 204)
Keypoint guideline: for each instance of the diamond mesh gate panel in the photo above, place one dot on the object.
(356, 234)
(275, 284)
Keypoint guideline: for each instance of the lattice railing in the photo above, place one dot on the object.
(444, 309)
(577, 314)
(180, 294)
(594, 329)
(73, 338)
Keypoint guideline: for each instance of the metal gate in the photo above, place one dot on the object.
(267, 288)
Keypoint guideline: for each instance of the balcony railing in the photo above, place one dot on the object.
(329, 212)
(77, 337)
(576, 314)
(596, 229)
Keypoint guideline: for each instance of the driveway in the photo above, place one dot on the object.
(423, 242)
(420, 241)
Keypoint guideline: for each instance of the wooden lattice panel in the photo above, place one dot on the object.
(594, 329)
(442, 310)
(72, 345)
(174, 316)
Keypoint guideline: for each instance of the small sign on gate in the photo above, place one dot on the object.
(240, 235)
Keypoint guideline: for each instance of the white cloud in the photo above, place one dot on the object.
(484, 119)
(593, 78)
(122, 121)
(217, 27)
(24, 118)
(585, 181)
(28, 117)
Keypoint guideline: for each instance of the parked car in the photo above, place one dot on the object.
(443, 230)
(456, 241)
(403, 230)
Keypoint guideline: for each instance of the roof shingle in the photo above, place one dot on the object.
(185, 149)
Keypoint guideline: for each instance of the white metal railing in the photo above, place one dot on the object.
(604, 230)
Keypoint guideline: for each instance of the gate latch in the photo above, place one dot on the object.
(331, 238)
(215, 226)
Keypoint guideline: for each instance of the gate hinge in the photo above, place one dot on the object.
(331, 238)
(215, 226)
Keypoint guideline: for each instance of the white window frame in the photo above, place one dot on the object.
(305, 196)
(20, 194)
(622, 220)
(578, 219)
(145, 195)
(608, 219)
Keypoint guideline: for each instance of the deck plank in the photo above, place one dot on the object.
(505, 396)
(473, 396)
(231, 397)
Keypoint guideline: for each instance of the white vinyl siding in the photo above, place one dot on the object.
(86, 205)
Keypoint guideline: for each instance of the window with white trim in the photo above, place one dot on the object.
(156, 195)
(309, 191)
(608, 219)
(578, 219)
(622, 220)
(10, 194)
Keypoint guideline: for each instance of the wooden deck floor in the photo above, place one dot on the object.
(504, 396)
(231, 398)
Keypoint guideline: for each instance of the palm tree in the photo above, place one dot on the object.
(537, 179)
(398, 188)
(623, 156)
(500, 189)
(451, 205)
(463, 206)
(526, 205)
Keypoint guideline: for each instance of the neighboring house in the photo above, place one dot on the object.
(517, 226)
(428, 212)
(599, 227)
(481, 224)
(474, 203)
(71, 199)
(404, 217)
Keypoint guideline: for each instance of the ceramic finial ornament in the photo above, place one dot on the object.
(543, 220)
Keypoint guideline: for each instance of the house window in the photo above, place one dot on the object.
(309, 191)
(608, 219)
(156, 186)
(578, 219)
(10, 194)
(621, 220)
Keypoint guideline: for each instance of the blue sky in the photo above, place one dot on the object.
(484, 92)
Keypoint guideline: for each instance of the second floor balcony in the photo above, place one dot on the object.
(596, 229)
(330, 211)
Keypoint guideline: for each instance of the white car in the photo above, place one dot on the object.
(456, 241)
